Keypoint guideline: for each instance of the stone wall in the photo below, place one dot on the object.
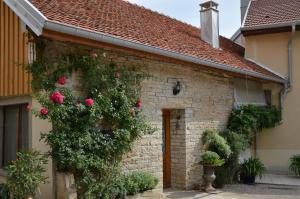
(205, 102)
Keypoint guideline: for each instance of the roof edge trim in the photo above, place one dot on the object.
(236, 34)
(31, 16)
(270, 26)
(88, 34)
(246, 14)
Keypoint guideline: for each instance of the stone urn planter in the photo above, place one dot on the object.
(208, 178)
(65, 188)
(210, 160)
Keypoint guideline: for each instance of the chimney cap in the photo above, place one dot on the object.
(209, 5)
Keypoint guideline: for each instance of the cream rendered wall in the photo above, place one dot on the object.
(275, 146)
(36, 127)
(42, 126)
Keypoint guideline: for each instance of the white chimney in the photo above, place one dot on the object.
(210, 23)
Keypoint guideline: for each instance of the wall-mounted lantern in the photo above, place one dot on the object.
(177, 88)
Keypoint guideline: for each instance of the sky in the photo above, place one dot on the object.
(188, 11)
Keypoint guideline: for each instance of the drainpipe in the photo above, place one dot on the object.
(289, 80)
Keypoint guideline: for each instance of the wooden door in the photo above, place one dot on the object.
(167, 148)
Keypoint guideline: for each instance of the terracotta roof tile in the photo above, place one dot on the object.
(269, 12)
(131, 22)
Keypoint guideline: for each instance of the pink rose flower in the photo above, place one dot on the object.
(139, 104)
(89, 102)
(57, 97)
(29, 107)
(62, 80)
(44, 111)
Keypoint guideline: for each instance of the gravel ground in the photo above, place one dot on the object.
(241, 192)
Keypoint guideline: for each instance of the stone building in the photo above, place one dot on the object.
(209, 70)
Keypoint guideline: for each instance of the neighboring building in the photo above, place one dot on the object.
(211, 69)
(272, 38)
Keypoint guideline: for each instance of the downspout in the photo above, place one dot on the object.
(289, 80)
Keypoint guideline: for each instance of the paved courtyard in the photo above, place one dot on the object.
(259, 191)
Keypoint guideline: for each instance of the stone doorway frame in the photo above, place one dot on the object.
(177, 128)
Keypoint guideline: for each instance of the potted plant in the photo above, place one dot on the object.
(295, 164)
(250, 169)
(210, 160)
(26, 174)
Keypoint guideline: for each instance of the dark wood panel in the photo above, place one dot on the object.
(167, 149)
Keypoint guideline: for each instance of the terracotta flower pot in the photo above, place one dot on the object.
(208, 178)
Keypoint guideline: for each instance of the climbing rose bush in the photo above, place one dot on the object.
(91, 133)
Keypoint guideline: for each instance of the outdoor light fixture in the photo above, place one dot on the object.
(177, 88)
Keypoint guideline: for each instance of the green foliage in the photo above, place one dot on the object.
(212, 141)
(4, 192)
(227, 173)
(211, 158)
(89, 140)
(252, 167)
(295, 164)
(139, 182)
(251, 118)
(26, 174)
(223, 176)
(130, 184)
(242, 124)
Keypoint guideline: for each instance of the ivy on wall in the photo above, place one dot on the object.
(252, 118)
(91, 132)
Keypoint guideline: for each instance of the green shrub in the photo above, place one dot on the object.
(139, 182)
(116, 190)
(242, 124)
(211, 158)
(223, 176)
(227, 173)
(4, 192)
(295, 164)
(252, 167)
(214, 142)
(26, 174)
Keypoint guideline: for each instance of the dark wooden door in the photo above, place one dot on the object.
(167, 148)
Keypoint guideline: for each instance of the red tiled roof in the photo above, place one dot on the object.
(131, 22)
(271, 12)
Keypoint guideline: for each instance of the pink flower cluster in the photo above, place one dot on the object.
(139, 104)
(57, 97)
(89, 102)
(62, 80)
(44, 111)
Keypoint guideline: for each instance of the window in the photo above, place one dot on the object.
(13, 131)
(268, 97)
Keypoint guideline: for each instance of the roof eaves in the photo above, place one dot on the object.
(270, 26)
(37, 22)
(88, 34)
(31, 16)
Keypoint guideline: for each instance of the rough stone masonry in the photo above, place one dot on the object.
(205, 102)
